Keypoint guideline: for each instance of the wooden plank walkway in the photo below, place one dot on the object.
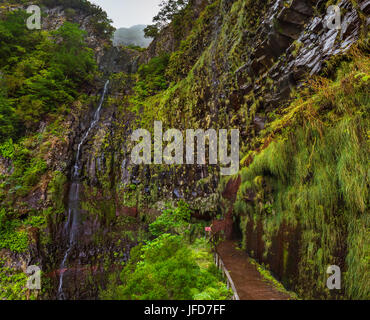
(248, 282)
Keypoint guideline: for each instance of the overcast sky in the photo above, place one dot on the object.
(126, 13)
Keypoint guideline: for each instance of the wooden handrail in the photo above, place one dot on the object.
(220, 264)
(230, 283)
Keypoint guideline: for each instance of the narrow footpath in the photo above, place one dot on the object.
(249, 283)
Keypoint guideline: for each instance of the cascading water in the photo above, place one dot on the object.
(71, 225)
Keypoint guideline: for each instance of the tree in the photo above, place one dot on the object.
(72, 55)
(40, 72)
(151, 31)
(169, 10)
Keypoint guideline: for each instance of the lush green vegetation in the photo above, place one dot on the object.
(42, 73)
(172, 221)
(10, 236)
(306, 174)
(27, 172)
(44, 79)
(99, 20)
(151, 77)
(171, 266)
(151, 82)
(315, 176)
(312, 176)
(12, 285)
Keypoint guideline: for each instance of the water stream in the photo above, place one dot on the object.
(71, 225)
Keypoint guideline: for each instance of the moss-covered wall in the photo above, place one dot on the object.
(310, 187)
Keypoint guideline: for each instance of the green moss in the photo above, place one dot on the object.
(13, 285)
(56, 189)
(13, 239)
(315, 174)
(268, 277)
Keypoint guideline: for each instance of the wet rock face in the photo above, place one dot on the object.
(103, 230)
(6, 167)
(100, 249)
(16, 261)
(117, 60)
(106, 165)
(293, 41)
(167, 41)
(165, 44)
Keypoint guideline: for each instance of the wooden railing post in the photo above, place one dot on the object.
(229, 281)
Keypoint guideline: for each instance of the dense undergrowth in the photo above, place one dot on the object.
(176, 264)
(41, 72)
(12, 284)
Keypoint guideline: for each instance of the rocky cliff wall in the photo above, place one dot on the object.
(235, 64)
(241, 65)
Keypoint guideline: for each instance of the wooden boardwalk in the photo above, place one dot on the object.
(248, 282)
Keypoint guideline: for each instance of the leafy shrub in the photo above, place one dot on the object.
(167, 269)
(7, 149)
(12, 284)
(151, 76)
(172, 220)
(33, 174)
(10, 237)
(39, 72)
(36, 221)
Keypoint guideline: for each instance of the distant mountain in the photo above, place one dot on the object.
(131, 36)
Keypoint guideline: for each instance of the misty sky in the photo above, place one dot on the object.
(126, 13)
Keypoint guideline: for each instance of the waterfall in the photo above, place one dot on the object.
(71, 225)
